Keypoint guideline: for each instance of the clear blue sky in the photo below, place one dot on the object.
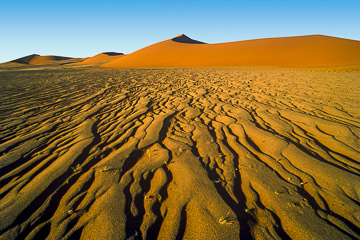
(83, 28)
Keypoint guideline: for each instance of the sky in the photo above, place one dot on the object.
(83, 28)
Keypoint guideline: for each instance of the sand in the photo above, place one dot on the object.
(195, 153)
(302, 51)
(102, 58)
(37, 59)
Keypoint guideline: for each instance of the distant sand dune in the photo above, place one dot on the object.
(37, 59)
(303, 51)
(102, 57)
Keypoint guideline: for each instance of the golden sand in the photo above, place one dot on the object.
(179, 153)
(184, 153)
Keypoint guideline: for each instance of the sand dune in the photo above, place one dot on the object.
(102, 58)
(179, 153)
(303, 51)
(37, 59)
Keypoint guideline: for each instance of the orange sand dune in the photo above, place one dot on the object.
(301, 51)
(102, 57)
(37, 59)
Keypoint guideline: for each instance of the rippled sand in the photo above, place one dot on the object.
(179, 153)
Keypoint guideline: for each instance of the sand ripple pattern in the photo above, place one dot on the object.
(179, 153)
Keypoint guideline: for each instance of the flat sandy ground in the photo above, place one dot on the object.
(179, 153)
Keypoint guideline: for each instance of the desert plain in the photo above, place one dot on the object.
(162, 144)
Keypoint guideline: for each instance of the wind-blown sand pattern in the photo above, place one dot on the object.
(179, 153)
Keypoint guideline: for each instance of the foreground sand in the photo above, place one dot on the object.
(179, 153)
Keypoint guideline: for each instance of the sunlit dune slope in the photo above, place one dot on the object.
(102, 57)
(37, 59)
(302, 51)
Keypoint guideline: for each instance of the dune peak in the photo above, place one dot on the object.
(182, 38)
(112, 53)
(26, 59)
(36, 59)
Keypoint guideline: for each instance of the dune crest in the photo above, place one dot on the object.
(185, 39)
(37, 59)
(302, 51)
(102, 58)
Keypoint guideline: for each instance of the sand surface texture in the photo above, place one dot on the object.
(179, 154)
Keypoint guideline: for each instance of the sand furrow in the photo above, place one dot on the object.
(180, 154)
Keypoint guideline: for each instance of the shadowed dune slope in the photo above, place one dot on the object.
(185, 39)
(302, 51)
(37, 59)
(102, 57)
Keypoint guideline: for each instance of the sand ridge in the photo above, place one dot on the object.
(301, 51)
(37, 59)
(179, 153)
(102, 58)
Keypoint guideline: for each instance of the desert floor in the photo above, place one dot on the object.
(179, 153)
